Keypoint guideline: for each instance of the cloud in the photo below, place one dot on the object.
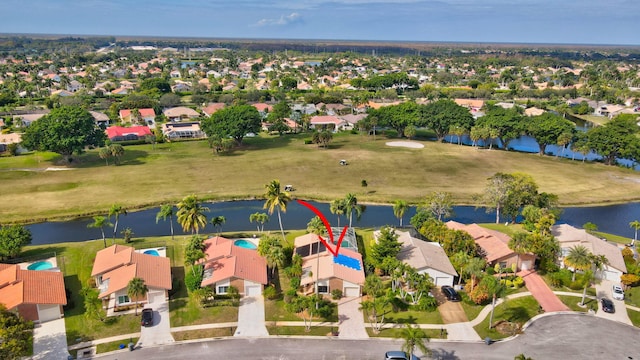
(281, 21)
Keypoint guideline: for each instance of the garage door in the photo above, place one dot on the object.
(157, 297)
(48, 312)
(252, 290)
(611, 275)
(351, 291)
(443, 281)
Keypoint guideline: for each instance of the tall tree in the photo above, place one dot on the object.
(166, 211)
(440, 204)
(194, 252)
(117, 151)
(65, 130)
(635, 225)
(234, 121)
(337, 207)
(276, 199)
(385, 246)
(191, 214)
(494, 289)
(399, 208)
(351, 205)
(272, 250)
(617, 138)
(547, 128)
(578, 258)
(116, 210)
(16, 334)
(441, 115)
(496, 193)
(413, 338)
(519, 243)
(12, 239)
(260, 218)
(99, 222)
(217, 223)
(136, 289)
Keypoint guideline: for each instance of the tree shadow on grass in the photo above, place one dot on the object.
(92, 160)
(517, 314)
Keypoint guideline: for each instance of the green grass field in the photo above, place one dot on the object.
(148, 177)
(516, 311)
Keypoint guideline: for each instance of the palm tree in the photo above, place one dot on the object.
(276, 199)
(351, 205)
(260, 218)
(191, 214)
(337, 207)
(474, 268)
(99, 222)
(399, 208)
(116, 210)
(414, 337)
(116, 151)
(137, 289)
(166, 211)
(519, 243)
(635, 224)
(495, 289)
(578, 258)
(217, 223)
(315, 226)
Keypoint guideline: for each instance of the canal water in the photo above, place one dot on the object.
(613, 219)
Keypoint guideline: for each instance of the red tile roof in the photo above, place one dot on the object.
(229, 261)
(115, 131)
(143, 112)
(493, 243)
(119, 264)
(19, 286)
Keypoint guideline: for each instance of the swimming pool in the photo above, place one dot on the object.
(40, 265)
(347, 261)
(245, 244)
(153, 252)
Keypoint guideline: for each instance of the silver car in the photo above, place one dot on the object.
(617, 293)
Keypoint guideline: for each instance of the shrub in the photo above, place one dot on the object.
(336, 294)
(91, 282)
(308, 141)
(630, 279)
(427, 303)
(233, 292)
(576, 285)
(193, 278)
(295, 283)
(391, 133)
(289, 295)
(518, 282)
(270, 293)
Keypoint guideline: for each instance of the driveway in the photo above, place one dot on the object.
(351, 319)
(50, 341)
(251, 317)
(160, 332)
(451, 312)
(603, 289)
(541, 292)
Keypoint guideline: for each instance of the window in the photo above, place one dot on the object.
(323, 289)
(123, 299)
(222, 289)
(503, 264)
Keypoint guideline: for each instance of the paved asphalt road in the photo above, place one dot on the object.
(553, 337)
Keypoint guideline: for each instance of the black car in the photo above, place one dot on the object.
(607, 305)
(147, 317)
(450, 293)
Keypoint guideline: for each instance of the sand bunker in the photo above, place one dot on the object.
(407, 144)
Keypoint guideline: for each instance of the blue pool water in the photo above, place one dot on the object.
(40, 265)
(152, 252)
(245, 244)
(347, 261)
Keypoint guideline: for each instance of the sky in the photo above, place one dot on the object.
(606, 22)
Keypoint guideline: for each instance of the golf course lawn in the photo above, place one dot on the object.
(171, 171)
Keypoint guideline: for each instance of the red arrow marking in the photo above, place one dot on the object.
(327, 226)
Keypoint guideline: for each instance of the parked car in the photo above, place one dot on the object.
(450, 293)
(399, 355)
(147, 317)
(607, 305)
(617, 292)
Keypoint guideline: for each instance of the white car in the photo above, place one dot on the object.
(617, 293)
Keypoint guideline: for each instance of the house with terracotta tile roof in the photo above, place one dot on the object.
(148, 115)
(494, 246)
(182, 130)
(263, 108)
(180, 113)
(227, 264)
(426, 257)
(471, 104)
(213, 107)
(569, 237)
(329, 122)
(37, 295)
(344, 272)
(119, 133)
(116, 265)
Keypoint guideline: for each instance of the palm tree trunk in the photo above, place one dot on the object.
(493, 307)
(104, 239)
(281, 228)
(171, 224)
(584, 293)
(115, 229)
